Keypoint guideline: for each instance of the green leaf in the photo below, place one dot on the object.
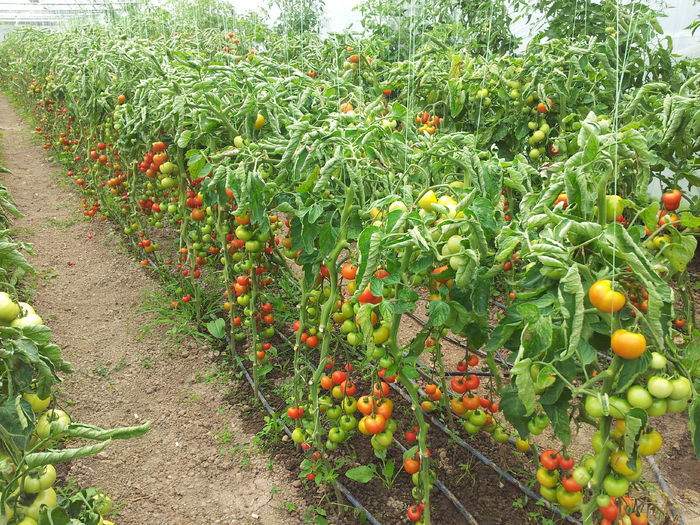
(217, 328)
(526, 388)
(38, 459)
(558, 414)
(361, 474)
(439, 312)
(100, 434)
(635, 420)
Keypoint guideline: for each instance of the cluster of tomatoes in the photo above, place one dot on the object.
(671, 201)
(428, 124)
(231, 37)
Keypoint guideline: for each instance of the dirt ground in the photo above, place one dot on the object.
(197, 464)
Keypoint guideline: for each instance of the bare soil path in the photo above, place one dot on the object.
(196, 465)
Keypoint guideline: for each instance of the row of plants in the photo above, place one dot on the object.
(32, 426)
(309, 186)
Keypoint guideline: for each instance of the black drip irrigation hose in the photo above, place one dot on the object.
(666, 490)
(486, 461)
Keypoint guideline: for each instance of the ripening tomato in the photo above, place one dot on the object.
(604, 298)
(348, 271)
(672, 199)
(628, 345)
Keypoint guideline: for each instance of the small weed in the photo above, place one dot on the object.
(190, 397)
(62, 224)
(289, 506)
(147, 362)
(245, 462)
(224, 436)
(274, 489)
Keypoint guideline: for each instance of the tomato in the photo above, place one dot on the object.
(628, 345)
(613, 206)
(547, 478)
(347, 423)
(659, 387)
(568, 498)
(339, 376)
(298, 435)
(658, 408)
(658, 361)
(672, 199)
(459, 385)
(566, 462)
(522, 445)
(365, 405)
(157, 147)
(649, 443)
(367, 297)
(609, 511)
(562, 198)
(259, 122)
(411, 465)
(638, 518)
(471, 401)
(473, 382)
(39, 479)
(381, 335)
(593, 406)
(38, 405)
(550, 459)
(615, 486)
(681, 388)
(43, 426)
(471, 428)
(414, 513)
(500, 436)
(427, 200)
(9, 310)
(478, 418)
(676, 406)
(619, 463)
(348, 271)
(45, 497)
(604, 298)
(349, 405)
(544, 108)
(548, 493)
(581, 475)
(384, 407)
(639, 397)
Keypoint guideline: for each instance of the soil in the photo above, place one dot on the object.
(89, 292)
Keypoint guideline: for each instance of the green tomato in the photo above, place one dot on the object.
(337, 435)
(43, 426)
(347, 423)
(619, 407)
(453, 245)
(243, 299)
(334, 412)
(385, 438)
(354, 338)
(243, 233)
(550, 494)
(659, 387)
(103, 503)
(347, 326)
(376, 445)
(500, 436)
(45, 497)
(613, 207)
(330, 445)
(615, 486)
(9, 310)
(478, 418)
(658, 361)
(268, 332)
(253, 246)
(39, 479)
(533, 428)
(542, 421)
(650, 443)
(638, 397)
(593, 407)
(349, 405)
(298, 435)
(470, 428)
(581, 476)
(658, 408)
(681, 388)
(568, 499)
(38, 405)
(391, 425)
(677, 406)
